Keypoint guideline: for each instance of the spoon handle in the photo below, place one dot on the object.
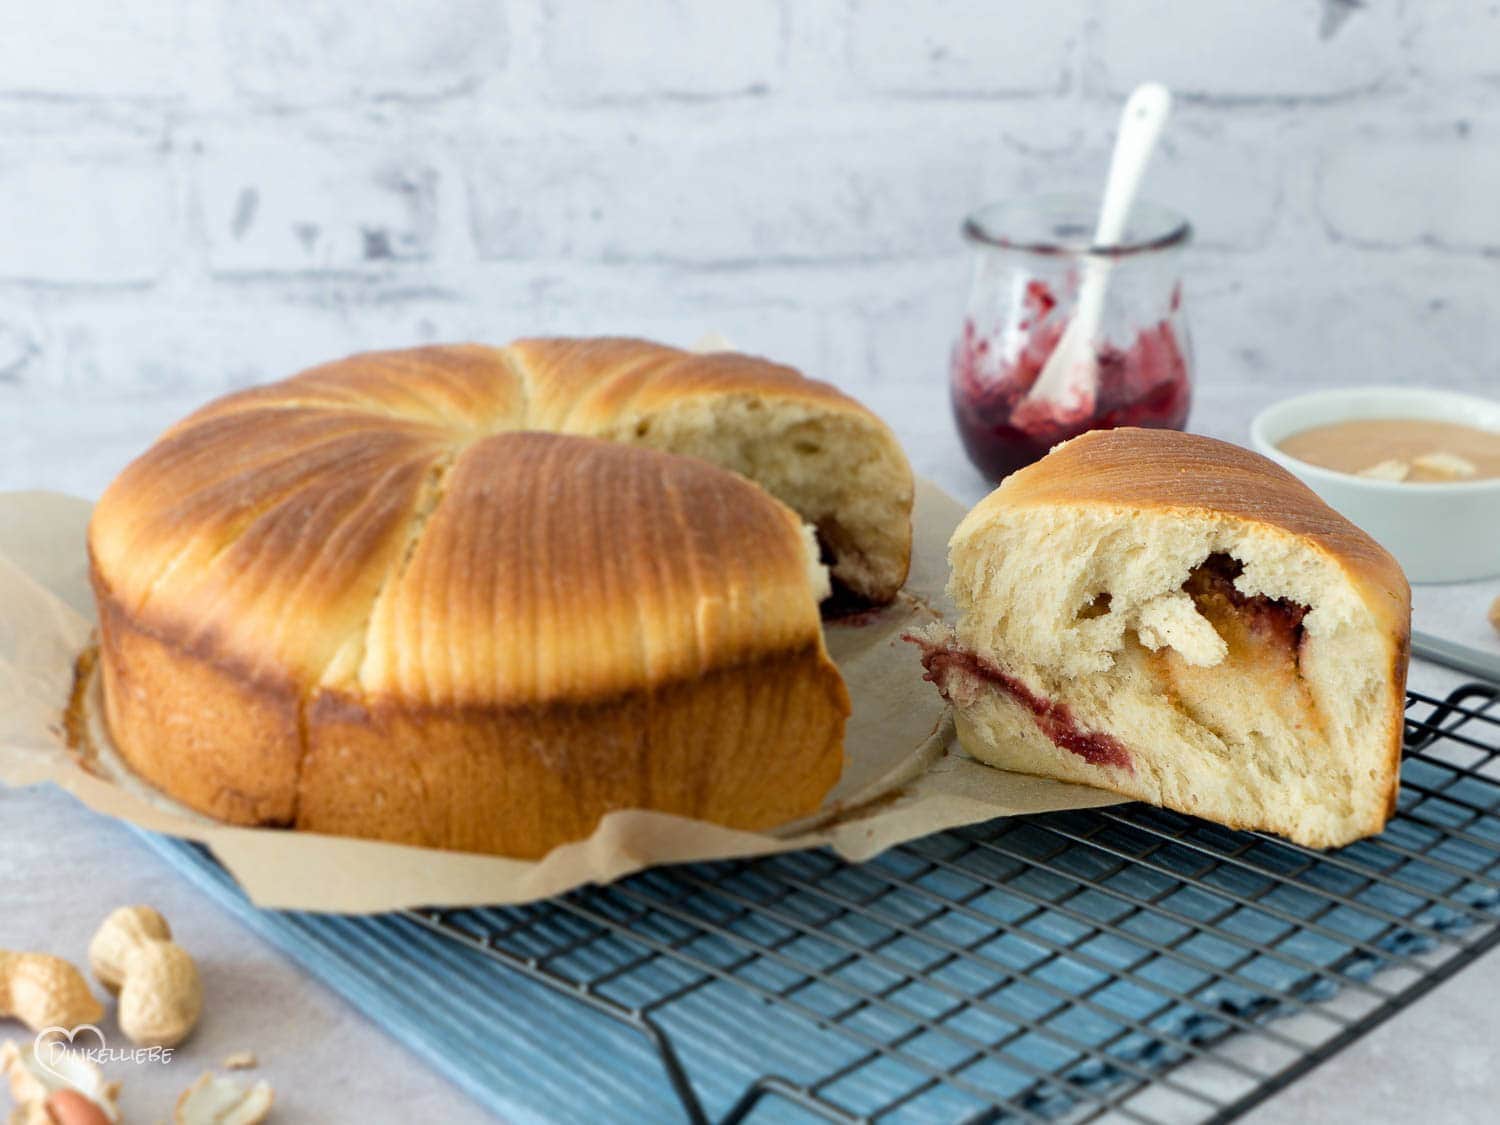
(1070, 376)
(1141, 123)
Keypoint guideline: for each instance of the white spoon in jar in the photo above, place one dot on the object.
(1069, 380)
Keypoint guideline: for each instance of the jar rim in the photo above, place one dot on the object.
(1062, 224)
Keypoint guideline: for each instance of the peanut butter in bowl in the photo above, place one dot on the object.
(1413, 450)
(1415, 467)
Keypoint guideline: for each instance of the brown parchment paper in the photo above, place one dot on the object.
(904, 778)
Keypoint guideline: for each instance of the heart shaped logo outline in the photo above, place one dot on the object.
(53, 1036)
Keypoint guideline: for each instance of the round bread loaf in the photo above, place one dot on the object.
(475, 598)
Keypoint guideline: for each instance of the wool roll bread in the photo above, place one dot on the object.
(475, 598)
(1181, 621)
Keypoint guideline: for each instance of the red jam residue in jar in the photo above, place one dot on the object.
(1145, 384)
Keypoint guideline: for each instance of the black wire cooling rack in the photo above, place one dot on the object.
(1125, 963)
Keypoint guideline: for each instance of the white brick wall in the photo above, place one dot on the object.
(99, 48)
(91, 219)
(299, 53)
(1437, 184)
(1270, 50)
(1457, 40)
(197, 195)
(966, 46)
(660, 48)
(688, 190)
(321, 204)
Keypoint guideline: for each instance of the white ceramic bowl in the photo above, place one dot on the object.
(1440, 532)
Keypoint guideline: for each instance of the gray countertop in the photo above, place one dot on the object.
(65, 868)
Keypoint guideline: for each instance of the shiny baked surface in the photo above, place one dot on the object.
(367, 599)
(313, 526)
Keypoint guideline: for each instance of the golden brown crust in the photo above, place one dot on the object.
(385, 534)
(271, 549)
(1400, 665)
(217, 739)
(580, 386)
(806, 443)
(1166, 470)
(597, 568)
(749, 746)
(465, 388)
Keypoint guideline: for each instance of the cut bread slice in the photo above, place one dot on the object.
(1180, 621)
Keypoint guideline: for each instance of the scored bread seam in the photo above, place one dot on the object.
(523, 379)
(236, 530)
(422, 511)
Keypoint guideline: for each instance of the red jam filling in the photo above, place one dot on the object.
(1272, 620)
(1145, 384)
(1054, 719)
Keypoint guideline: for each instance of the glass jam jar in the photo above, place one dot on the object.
(1030, 257)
